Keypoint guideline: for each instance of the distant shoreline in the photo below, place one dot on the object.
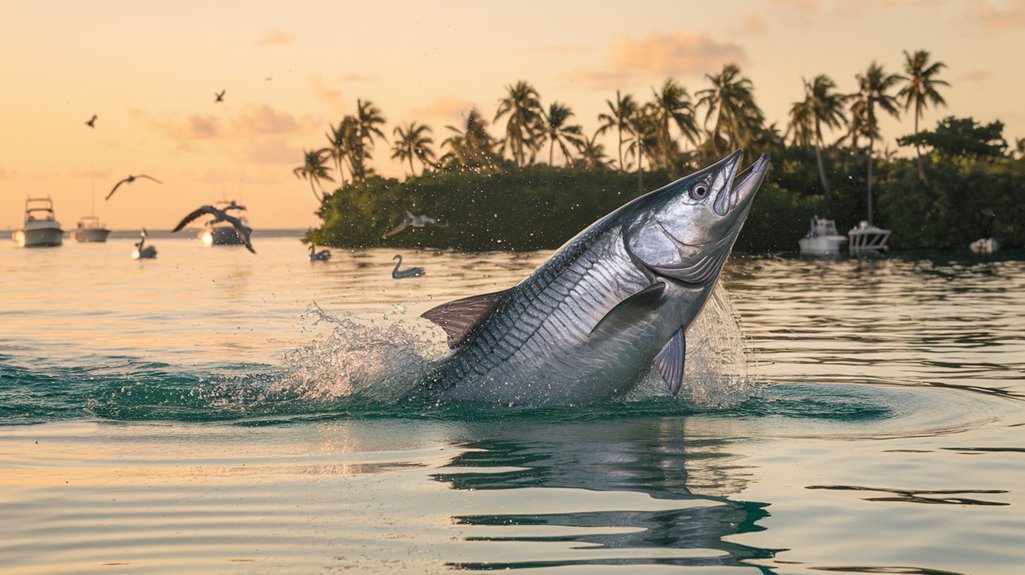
(188, 233)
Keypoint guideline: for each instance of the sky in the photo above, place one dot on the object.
(149, 71)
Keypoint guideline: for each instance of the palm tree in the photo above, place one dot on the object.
(367, 118)
(471, 146)
(671, 106)
(920, 91)
(645, 130)
(592, 154)
(874, 88)
(341, 141)
(731, 100)
(821, 105)
(314, 170)
(801, 127)
(413, 142)
(556, 131)
(618, 117)
(525, 124)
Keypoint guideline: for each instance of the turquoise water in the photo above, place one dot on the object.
(217, 412)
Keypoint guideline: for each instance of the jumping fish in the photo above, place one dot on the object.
(587, 325)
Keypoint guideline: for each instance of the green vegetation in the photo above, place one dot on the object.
(961, 182)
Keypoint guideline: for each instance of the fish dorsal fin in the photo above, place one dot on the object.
(458, 317)
(671, 359)
(644, 299)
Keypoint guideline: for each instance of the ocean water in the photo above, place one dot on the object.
(213, 411)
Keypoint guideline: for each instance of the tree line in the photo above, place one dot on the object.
(669, 134)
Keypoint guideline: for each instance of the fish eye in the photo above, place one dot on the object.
(699, 191)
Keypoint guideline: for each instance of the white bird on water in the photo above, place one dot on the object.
(142, 251)
(221, 216)
(416, 221)
(321, 256)
(398, 274)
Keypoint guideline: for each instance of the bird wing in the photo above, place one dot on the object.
(149, 178)
(241, 229)
(195, 214)
(397, 229)
(114, 189)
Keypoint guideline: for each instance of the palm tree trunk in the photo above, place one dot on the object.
(918, 150)
(551, 152)
(622, 167)
(640, 163)
(412, 170)
(320, 199)
(870, 181)
(822, 169)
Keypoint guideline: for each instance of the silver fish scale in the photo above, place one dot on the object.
(560, 301)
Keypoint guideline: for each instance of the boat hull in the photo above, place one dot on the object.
(90, 235)
(822, 245)
(220, 236)
(42, 237)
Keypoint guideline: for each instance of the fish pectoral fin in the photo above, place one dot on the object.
(644, 300)
(671, 359)
(458, 317)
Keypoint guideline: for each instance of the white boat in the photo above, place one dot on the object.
(984, 246)
(41, 228)
(90, 230)
(223, 233)
(822, 239)
(866, 238)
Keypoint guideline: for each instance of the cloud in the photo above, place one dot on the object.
(271, 151)
(558, 49)
(93, 173)
(253, 121)
(975, 76)
(445, 108)
(192, 127)
(275, 37)
(752, 24)
(262, 120)
(357, 78)
(659, 55)
(1010, 16)
(328, 95)
(804, 6)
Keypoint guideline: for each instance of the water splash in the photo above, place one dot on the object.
(378, 362)
(717, 372)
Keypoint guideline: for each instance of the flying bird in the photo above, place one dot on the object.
(415, 221)
(397, 274)
(92, 122)
(220, 215)
(129, 180)
(220, 97)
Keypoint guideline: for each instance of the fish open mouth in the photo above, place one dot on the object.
(736, 198)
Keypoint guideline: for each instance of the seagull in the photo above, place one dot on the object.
(220, 215)
(396, 274)
(220, 97)
(142, 251)
(415, 221)
(92, 122)
(129, 180)
(321, 256)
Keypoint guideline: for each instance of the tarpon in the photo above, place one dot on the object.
(587, 325)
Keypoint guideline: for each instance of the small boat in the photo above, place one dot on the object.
(822, 239)
(41, 228)
(223, 233)
(867, 239)
(984, 246)
(90, 230)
